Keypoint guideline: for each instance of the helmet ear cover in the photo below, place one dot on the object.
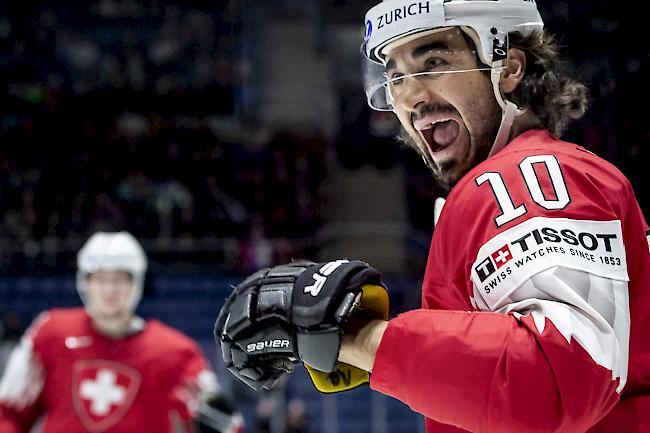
(472, 40)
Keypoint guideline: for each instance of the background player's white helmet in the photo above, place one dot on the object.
(488, 22)
(118, 251)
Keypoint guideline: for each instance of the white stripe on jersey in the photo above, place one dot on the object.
(437, 209)
(23, 377)
(572, 272)
(592, 310)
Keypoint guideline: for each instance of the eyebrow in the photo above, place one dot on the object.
(420, 51)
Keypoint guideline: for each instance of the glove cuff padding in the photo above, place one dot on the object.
(320, 348)
(374, 303)
(343, 378)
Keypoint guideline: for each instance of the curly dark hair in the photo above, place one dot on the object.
(547, 89)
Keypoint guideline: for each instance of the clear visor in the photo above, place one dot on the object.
(386, 84)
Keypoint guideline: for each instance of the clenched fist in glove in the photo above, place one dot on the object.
(297, 311)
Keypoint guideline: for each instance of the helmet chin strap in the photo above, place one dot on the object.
(510, 111)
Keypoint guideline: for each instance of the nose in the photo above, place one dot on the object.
(109, 288)
(413, 92)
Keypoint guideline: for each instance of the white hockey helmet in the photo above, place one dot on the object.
(118, 251)
(393, 20)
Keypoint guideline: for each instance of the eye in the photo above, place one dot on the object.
(396, 79)
(432, 63)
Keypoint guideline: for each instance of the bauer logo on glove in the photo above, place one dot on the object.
(266, 344)
(297, 311)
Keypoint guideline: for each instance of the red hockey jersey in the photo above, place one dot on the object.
(536, 301)
(83, 381)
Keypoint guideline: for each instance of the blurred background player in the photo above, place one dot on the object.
(104, 369)
(535, 300)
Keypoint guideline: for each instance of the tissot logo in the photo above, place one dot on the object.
(485, 269)
(528, 243)
(586, 240)
(501, 256)
(497, 259)
(539, 244)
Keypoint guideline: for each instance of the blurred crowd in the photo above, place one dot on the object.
(121, 116)
(158, 176)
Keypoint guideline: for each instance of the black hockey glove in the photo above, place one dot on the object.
(217, 414)
(294, 312)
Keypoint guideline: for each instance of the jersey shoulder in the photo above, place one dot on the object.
(175, 354)
(48, 333)
(539, 175)
(174, 340)
(539, 142)
(59, 322)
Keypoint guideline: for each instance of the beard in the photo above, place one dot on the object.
(449, 172)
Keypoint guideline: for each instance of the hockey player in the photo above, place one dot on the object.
(536, 298)
(104, 369)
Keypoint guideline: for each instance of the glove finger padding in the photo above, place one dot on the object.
(253, 329)
(373, 305)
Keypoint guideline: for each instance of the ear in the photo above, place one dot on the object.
(514, 72)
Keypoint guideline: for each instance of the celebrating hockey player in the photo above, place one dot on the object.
(104, 369)
(536, 298)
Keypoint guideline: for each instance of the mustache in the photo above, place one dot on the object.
(434, 108)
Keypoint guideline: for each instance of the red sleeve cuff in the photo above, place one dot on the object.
(384, 368)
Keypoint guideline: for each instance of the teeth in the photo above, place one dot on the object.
(429, 126)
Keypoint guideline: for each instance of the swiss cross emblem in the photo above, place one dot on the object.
(102, 392)
(502, 256)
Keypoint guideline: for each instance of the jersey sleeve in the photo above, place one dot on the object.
(542, 343)
(192, 381)
(21, 386)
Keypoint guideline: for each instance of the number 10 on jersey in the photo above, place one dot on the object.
(508, 210)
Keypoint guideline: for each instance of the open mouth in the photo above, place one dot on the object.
(439, 134)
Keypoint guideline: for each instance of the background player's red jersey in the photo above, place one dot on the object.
(536, 298)
(82, 381)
